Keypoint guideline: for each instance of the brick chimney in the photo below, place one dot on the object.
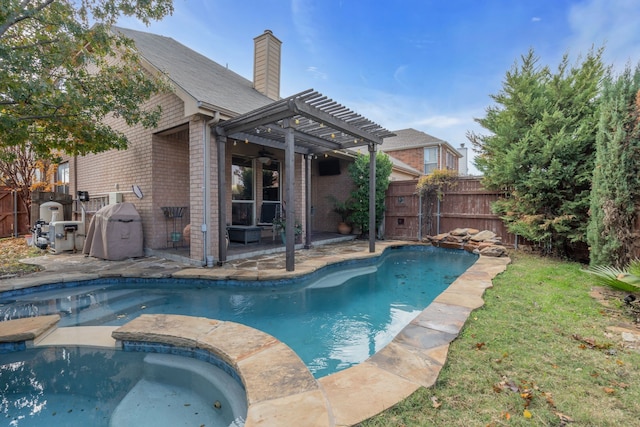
(266, 65)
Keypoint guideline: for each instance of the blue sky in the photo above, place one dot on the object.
(424, 64)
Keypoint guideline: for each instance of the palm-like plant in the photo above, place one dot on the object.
(627, 280)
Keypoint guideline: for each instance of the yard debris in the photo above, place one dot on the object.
(591, 343)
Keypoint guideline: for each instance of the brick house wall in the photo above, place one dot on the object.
(414, 157)
(323, 217)
(118, 170)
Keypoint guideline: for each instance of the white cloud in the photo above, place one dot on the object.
(536, 19)
(302, 13)
(398, 75)
(316, 73)
(608, 23)
(440, 121)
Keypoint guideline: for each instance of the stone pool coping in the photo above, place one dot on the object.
(280, 389)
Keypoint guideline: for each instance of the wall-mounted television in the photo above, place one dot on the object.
(329, 167)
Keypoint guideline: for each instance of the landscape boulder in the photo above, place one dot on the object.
(485, 242)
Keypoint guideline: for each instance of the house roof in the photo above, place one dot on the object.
(411, 138)
(321, 123)
(210, 85)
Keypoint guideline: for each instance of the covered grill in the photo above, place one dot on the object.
(115, 233)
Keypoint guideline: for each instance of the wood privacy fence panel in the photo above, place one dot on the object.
(402, 204)
(466, 204)
(9, 210)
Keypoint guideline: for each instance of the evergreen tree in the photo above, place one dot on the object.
(615, 192)
(541, 149)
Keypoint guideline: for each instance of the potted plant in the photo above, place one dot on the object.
(344, 210)
(280, 226)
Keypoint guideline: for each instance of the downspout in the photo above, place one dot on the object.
(206, 187)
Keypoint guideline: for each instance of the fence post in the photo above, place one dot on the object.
(15, 214)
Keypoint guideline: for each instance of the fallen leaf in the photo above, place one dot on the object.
(609, 390)
(564, 418)
(435, 403)
(479, 345)
(527, 414)
(549, 398)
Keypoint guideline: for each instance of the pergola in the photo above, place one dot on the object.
(307, 123)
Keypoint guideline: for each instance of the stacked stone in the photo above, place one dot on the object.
(479, 242)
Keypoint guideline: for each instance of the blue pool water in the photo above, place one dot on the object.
(87, 387)
(332, 319)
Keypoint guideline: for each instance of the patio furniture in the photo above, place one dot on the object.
(244, 233)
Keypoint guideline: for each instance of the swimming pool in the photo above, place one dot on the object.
(333, 319)
(89, 387)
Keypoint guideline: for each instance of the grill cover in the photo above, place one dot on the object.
(115, 233)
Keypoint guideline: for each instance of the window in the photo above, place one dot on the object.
(270, 208)
(452, 161)
(430, 160)
(271, 182)
(242, 191)
(62, 178)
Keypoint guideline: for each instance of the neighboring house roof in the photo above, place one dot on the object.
(210, 85)
(411, 138)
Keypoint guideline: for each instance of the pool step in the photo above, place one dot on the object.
(338, 278)
(177, 390)
(118, 305)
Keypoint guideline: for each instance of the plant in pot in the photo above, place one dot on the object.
(344, 209)
(280, 226)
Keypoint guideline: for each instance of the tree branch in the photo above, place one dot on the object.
(22, 14)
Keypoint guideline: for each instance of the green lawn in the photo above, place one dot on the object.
(537, 354)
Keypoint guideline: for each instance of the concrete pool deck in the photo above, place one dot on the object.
(280, 389)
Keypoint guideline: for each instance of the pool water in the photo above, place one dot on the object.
(333, 319)
(88, 387)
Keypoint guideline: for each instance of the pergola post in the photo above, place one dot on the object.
(221, 141)
(372, 197)
(307, 194)
(289, 154)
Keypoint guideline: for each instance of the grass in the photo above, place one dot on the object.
(536, 354)
(12, 250)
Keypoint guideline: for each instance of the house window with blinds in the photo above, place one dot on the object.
(430, 160)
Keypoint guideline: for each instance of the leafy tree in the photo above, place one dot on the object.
(615, 193)
(63, 70)
(541, 149)
(359, 173)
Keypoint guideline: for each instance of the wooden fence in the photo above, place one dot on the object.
(13, 215)
(466, 204)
